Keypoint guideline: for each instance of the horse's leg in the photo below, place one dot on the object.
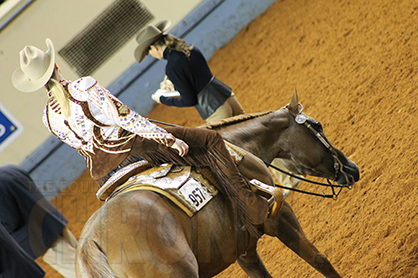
(253, 167)
(286, 227)
(252, 264)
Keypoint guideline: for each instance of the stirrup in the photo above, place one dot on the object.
(273, 195)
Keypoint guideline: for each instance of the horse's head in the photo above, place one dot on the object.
(308, 152)
(289, 134)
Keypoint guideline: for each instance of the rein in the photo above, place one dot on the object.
(334, 194)
(163, 123)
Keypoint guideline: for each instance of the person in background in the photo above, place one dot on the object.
(110, 136)
(30, 226)
(14, 260)
(187, 72)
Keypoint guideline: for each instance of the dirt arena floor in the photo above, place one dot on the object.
(354, 64)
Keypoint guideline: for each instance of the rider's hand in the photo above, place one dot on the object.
(166, 85)
(180, 146)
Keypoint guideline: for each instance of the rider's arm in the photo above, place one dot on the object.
(121, 115)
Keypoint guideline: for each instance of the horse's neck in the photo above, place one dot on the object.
(258, 135)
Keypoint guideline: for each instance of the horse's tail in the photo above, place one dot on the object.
(91, 261)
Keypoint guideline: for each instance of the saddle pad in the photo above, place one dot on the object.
(189, 189)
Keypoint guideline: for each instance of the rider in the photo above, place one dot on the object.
(188, 73)
(109, 135)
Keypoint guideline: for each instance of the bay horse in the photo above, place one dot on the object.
(143, 234)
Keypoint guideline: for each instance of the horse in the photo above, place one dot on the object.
(142, 233)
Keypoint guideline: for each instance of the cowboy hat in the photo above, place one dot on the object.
(36, 68)
(147, 36)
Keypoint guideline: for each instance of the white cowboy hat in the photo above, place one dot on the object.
(36, 68)
(147, 36)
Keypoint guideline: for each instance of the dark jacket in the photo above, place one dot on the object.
(14, 261)
(26, 214)
(194, 81)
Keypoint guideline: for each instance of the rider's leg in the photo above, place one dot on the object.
(210, 145)
(250, 166)
(253, 167)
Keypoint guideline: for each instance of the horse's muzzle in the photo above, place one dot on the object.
(349, 174)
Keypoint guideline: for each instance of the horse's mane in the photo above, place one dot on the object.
(234, 120)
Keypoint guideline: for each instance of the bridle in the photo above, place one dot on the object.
(301, 119)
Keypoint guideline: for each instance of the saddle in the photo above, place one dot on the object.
(188, 187)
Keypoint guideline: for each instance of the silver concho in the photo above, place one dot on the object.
(300, 119)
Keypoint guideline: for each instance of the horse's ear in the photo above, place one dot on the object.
(294, 103)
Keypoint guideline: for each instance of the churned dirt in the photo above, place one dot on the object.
(354, 64)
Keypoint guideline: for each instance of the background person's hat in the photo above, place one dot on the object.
(36, 68)
(147, 36)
